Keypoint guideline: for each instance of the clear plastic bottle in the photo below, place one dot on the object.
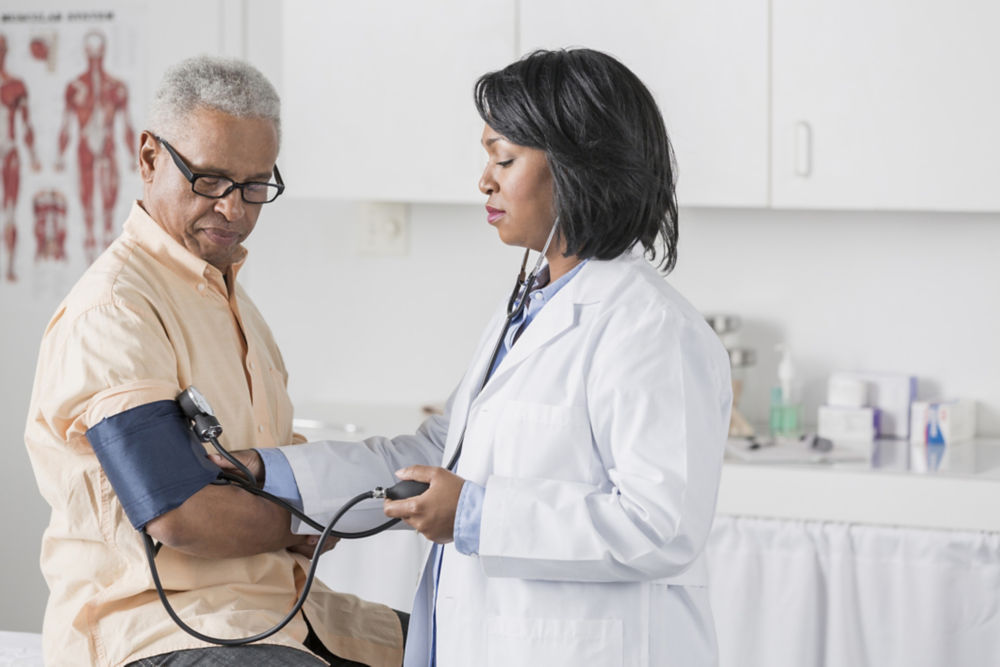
(786, 412)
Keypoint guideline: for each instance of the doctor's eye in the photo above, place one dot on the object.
(505, 163)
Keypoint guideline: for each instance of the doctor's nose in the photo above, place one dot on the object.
(486, 183)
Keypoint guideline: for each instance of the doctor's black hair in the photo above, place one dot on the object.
(603, 134)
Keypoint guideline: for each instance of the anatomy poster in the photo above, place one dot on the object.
(69, 83)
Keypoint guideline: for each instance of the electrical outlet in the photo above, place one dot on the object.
(383, 229)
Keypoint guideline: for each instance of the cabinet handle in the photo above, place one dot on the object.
(803, 149)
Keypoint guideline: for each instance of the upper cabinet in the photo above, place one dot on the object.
(377, 97)
(706, 64)
(886, 104)
(853, 104)
(378, 101)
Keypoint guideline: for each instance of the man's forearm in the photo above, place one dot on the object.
(224, 522)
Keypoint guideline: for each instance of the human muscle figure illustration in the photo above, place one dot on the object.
(13, 105)
(94, 99)
(50, 225)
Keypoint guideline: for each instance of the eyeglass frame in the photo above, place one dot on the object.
(193, 176)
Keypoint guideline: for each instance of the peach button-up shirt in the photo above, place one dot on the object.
(146, 320)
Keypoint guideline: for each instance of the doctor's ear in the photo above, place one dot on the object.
(148, 148)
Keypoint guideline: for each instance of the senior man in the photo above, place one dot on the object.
(158, 311)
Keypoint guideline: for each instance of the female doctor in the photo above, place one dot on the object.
(570, 529)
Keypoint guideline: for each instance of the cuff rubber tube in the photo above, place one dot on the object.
(152, 459)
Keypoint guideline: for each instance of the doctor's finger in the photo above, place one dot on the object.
(400, 509)
(248, 457)
(418, 473)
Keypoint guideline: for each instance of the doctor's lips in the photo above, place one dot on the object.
(494, 214)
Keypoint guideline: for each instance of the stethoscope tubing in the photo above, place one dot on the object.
(515, 307)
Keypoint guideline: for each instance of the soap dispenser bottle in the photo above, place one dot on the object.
(786, 412)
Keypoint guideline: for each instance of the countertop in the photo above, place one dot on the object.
(874, 487)
(867, 485)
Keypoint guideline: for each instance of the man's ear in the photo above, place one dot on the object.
(148, 149)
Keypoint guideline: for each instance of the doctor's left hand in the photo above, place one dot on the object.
(432, 513)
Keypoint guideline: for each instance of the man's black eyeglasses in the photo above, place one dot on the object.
(215, 186)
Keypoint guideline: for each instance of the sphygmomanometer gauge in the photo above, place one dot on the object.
(193, 402)
(196, 408)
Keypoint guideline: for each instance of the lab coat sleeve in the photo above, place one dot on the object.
(329, 473)
(658, 401)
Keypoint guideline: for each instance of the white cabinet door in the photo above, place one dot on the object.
(886, 104)
(705, 62)
(378, 96)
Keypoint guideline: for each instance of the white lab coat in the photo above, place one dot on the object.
(599, 440)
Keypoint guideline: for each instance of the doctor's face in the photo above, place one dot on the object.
(520, 192)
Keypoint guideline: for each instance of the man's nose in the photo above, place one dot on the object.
(232, 206)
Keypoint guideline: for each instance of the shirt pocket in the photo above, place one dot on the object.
(537, 440)
(554, 642)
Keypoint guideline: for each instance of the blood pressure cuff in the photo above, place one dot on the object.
(152, 459)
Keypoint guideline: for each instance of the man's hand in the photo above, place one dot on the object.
(308, 545)
(248, 457)
(432, 513)
(251, 459)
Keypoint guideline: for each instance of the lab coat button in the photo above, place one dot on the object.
(251, 365)
(260, 428)
(201, 287)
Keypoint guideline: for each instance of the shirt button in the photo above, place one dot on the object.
(260, 428)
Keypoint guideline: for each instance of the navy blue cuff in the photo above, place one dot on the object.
(152, 459)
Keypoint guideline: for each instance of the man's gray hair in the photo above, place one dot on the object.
(229, 85)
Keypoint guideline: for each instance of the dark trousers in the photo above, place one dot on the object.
(259, 655)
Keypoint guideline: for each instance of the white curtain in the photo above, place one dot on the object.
(804, 594)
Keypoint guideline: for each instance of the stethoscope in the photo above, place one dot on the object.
(516, 305)
(207, 428)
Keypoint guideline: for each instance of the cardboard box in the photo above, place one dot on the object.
(892, 394)
(938, 430)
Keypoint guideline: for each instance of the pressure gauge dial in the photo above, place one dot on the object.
(194, 402)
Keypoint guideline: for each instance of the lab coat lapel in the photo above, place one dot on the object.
(556, 317)
(559, 315)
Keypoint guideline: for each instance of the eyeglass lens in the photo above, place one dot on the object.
(219, 186)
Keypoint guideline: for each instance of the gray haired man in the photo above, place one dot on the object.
(158, 311)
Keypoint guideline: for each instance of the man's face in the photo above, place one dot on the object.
(212, 142)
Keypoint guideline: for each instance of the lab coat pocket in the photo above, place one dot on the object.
(543, 441)
(551, 642)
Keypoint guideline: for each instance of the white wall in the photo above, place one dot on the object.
(881, 291)
(899, 292)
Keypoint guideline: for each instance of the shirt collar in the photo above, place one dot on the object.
(549, 289)
(150, 235)
(539, 296)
